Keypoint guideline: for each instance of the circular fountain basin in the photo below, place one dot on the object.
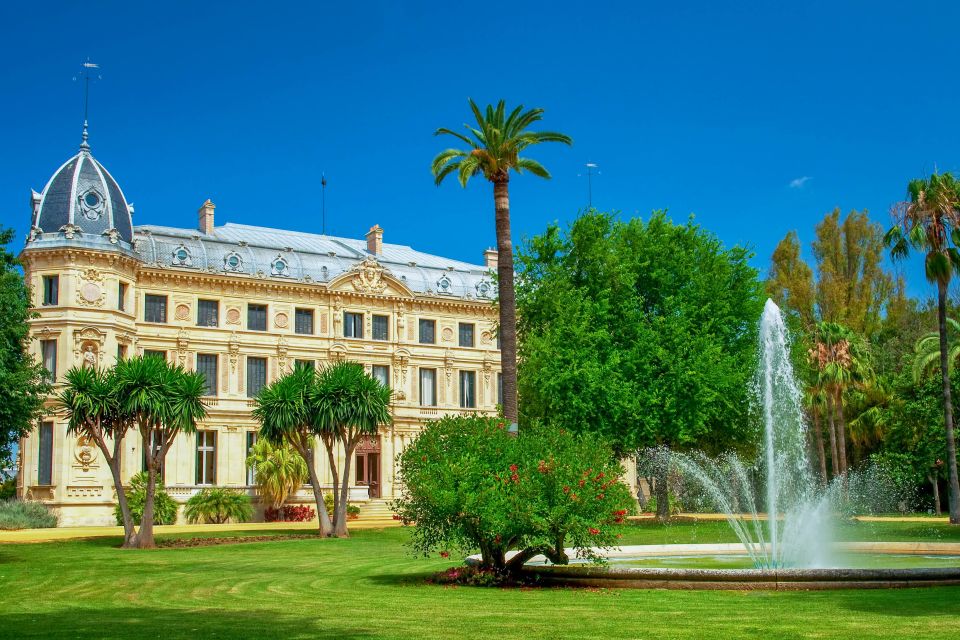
(864, 565)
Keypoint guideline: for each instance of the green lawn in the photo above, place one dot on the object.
(370, 587)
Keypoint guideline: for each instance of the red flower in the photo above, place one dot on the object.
(593, 531)
(573, 497)
(619, 535)
(513, 467)
(566, 489)
(581, 483)
(515, 478)
(542, 467)
(599, 496)
(444, 554)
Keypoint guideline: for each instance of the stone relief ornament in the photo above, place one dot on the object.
(112, 235)
(90, 293)
(368, 276)
(91, 204)
(70, 231)
(85, 452)
(88, 346)
(183, 341)
(233, 315)
(89, 357)
(447, 334)
(182, 312)
(281, 320)
(233, 350)
(35, 232)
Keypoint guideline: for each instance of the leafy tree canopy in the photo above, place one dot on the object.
(641, 331)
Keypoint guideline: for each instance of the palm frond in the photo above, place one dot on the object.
(534, 167)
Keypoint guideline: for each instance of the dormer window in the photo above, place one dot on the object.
(232, 261)
(484, 289)
(279, 267)
(182, 257)
(91, 204)
(444, 285)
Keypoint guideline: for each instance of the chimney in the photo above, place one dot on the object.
(490, 256)
(375, 240)
(205, 217)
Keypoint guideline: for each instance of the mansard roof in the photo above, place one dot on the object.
(243, 250)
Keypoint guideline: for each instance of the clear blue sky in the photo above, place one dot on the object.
(699, 109)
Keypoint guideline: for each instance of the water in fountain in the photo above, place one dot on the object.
(796, 531)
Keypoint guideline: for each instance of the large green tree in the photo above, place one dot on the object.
(644, 332)
(23, 380)
(928, 222)
(493, 150)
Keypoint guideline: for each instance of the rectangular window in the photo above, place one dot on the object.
(381, 330)
(207, 313)
(156, 444)
(428, 387)
(121, 352)
(381, 373)
(352, 325)
(207, 366)
(152, 353)
(466, 334)
(500, 389)
(251, 471)
(48, 352)
(361, 477)
(206, 457)
(305, 364)
(51, 290)
(428, 332)
(122, 296)
(303, 321)
(256, 317)
(256, 375)
(154, 308)
(468, 389)
(45, 455)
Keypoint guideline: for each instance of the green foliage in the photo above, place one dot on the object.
(165, 509)
(217, 505)
(494, 145)
(352, 510)
(278, 471)
(8, 488)
(20, 514)
(23, 384)
(642, 332)
(470, 486)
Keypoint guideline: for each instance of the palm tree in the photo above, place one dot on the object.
(926, 352)
(493, 150)
(349, 404)
(285, 415)
(163, 400)
(815, 401)
(929, 222)
(93, 411)
(278, 471)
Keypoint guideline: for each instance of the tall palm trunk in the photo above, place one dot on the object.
(953, 495)
(507, 298)
(340, 513)
(936, 492)
(841, 431)
(834, 458)
(818, 437)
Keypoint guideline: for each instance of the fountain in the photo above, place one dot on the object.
(790, 546)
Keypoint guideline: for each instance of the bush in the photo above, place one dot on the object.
(217, 505)
(290, 513)
(164, 507)
(19, 514)
(8, 490)
(468, 485)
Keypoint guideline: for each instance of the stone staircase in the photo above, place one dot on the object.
(376, 511)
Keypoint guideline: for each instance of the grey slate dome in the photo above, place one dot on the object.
(83, 197)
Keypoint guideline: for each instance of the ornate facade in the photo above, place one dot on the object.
(243, 305)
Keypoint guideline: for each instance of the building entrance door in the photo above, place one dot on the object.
(368, 465)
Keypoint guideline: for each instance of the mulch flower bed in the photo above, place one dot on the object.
(178, 543)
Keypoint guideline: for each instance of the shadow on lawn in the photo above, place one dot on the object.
(146, 622)
(913, 603)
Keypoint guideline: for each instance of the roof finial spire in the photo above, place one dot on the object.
(87, 66)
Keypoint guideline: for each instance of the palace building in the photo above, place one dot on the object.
(243, 305)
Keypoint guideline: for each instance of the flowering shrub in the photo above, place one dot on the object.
(469, 486)
(290, 513)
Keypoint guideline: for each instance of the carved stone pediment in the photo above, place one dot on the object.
(367, 276)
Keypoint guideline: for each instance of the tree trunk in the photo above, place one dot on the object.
(936, 493)
(145, 536)
(841, 432)
(113, 463)
(323, 518)
(818, 438)
(953, 494)
(507, 299)
(340, 515)
(330, 445)
(834, 458)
